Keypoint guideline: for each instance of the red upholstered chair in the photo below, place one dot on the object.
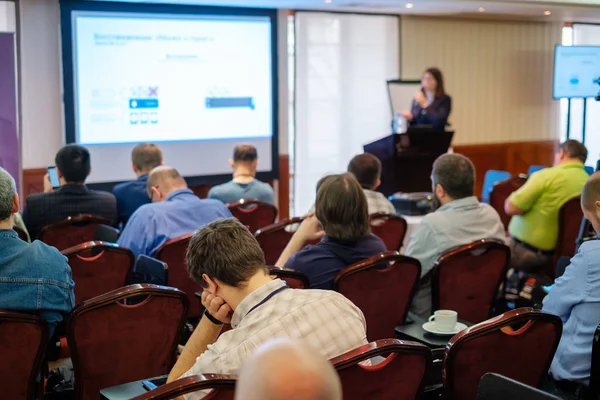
(595, 371)
(253, 213)
(273, 238)
(399, 377)
(569, 224)
(173, 253)
(295, 280)
(467, 279)
(72, 231)
(501, 191)
(383, 287)
(113, 343)
(21, 233)
(98, 268)
(223, 388)
(389, 228)
(519, 345)
(24, 338)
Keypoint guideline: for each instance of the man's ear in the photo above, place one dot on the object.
(376, 184)
(597, 204)
(439, 191)
(15, 204)
(231, 163)
(212, 285)
(254, 164)
(134, 168)
(58, 171)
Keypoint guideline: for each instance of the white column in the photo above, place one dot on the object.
(8, 17)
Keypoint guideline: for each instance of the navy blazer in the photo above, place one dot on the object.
(131, 196)
(436, 114)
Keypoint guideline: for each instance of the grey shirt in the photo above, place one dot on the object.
(231, 192)
(454, 224)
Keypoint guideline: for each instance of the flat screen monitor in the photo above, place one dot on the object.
(576, 72)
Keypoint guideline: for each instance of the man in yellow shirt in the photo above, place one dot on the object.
(535, 207)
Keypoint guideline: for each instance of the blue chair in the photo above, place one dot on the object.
(589, 170)
(535, 168)
(491, 177)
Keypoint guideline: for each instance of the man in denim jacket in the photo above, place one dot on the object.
(34, 277)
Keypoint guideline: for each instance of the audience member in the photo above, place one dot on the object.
(72, 198)
(244, 184)
(283, 369)
(366, 168)
(575, 298)
(342, 222)
(225, 258)
(175, 211)
(33, 277)
(132, 195)
(460, 219)
(535, 207)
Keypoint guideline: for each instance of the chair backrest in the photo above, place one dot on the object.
(595, 370)
(98, 268)
(590, 170)
(253, 213)
(501, 191)
(21, 233)
(24, 338)
(519, 345)
(389, 228)
(113, 343)
(72, 231)
(222, 388)
(466, 279)
(569, 224)
(491, 177)
(535, 168)
(173, 253)
(383, 287)
(295, 280)
(273, 238)
(400, 376)
(497, 387)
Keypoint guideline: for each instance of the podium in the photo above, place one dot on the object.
(407, 158)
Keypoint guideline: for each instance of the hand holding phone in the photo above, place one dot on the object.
(53, 179)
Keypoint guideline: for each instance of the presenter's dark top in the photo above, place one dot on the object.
(436, 114)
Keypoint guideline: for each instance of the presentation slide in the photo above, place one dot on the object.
(576, 72)
(171, 78)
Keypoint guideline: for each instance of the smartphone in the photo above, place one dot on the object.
(152, 384)
(53, 177)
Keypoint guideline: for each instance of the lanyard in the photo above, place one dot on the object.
(281, 289)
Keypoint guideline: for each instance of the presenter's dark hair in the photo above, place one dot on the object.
(245, 153)
(74, 163)
(366, 168)
(456, 174)
(342, 209)
(439, 78)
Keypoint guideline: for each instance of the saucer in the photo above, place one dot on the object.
(431, 328)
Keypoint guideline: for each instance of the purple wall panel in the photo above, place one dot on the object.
(9, 140)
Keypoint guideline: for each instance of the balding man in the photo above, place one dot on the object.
(175, 211)
(575, 298)
(283, 369)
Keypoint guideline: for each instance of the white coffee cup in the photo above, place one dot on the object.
(444, 320)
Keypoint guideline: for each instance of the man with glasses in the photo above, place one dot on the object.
(174, 211)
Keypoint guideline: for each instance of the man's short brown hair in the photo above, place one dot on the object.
(146, 156)
(591, 192)
(366, 168)
(245, 153)
(342, 209)
(574, 149)
(224, 250)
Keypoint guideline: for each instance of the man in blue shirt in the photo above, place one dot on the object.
(175, 211)
(342, 221)
(34, 277)
(132, 195)
(244, 184)
(575, 298)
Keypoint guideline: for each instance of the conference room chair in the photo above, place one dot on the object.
(113, 343)
(222, 387)
(294, 279)
(274, 237)
(570, 217)
(519, 344)
(21, 233)
(589, 170)
(98, 268)
(383, 287)
(72, 231)
(389, 228)
(173, 254)
(399, 376)
(466, 279)
(501, 191)
(497, 387)
(253, 213)
(491, 177)
(24, 338)
(535, 168)
(595, 370)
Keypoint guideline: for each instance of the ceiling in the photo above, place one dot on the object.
(561, 10)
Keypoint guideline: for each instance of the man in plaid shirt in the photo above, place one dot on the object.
(225, 258)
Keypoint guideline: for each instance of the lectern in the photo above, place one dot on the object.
(407, 158)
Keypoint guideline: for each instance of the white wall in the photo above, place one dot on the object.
(8, 21)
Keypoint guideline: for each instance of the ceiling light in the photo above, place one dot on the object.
(409, 5)
(547, 12)
(481, 9)
(328, 1)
